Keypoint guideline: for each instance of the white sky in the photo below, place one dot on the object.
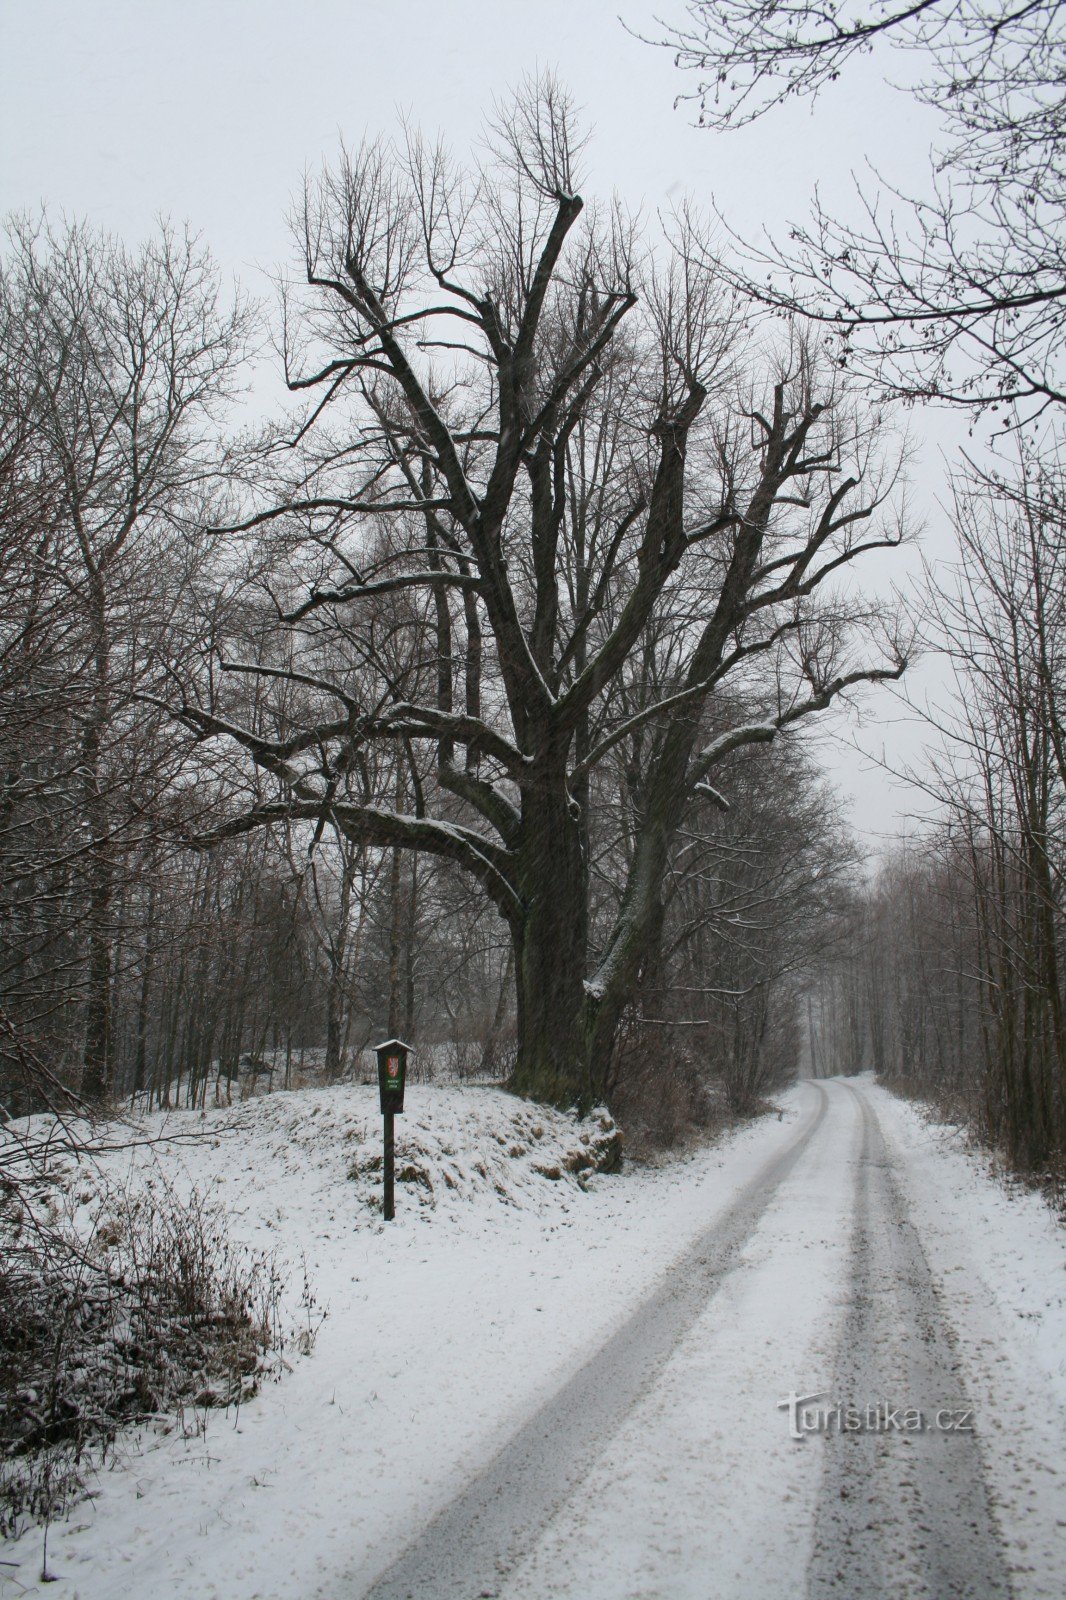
(120, 110)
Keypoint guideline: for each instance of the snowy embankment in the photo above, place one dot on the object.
(509, 1261)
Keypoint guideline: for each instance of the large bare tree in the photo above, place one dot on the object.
(533, 459)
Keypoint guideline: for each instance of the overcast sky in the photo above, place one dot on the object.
(120, 110)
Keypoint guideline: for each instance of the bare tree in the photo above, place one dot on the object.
(753, 903)
(124, 359)
(1001, 618)
(543, 445)
(961, 969)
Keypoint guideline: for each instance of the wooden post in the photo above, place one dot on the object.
(389, 1208)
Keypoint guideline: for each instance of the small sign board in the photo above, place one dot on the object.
(392, 1074)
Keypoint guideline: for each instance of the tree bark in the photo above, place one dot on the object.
(550, 951)
(96, 1072)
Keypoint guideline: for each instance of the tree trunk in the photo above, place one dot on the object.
(337, 954)
(395, 941)
(140, 1063)
(96, 1076)
(489, 1065)
(96, 1072)
(550, 955)
(410, 951)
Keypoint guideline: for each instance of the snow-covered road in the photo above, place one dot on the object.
(535, 1392)
(541, 1475)
(665, 1468)
(907, 1512)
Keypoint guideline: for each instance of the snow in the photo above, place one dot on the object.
(750, 733)
(507, 1267)
(999, 1257)
(445, 1329)
(701, 1491)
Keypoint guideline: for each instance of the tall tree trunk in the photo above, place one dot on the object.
(550, 955)
(397, 920)
(812, 1042)
(338, 947)
(140, 1061)
(492, 1041)
(96, 1073)
(395, 941)
(410, 950)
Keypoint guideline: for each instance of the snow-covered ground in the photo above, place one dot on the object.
(444, 1329)
(506, 1269)
(999, 1258)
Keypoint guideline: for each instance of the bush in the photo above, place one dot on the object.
(154, 1310)
(660, 1092)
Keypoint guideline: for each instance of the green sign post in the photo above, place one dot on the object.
(392, 1074)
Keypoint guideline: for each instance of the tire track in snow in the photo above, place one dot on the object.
(467, 1550)
(902, 1514)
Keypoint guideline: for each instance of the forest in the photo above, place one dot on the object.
(464, 626)
(461, 694)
